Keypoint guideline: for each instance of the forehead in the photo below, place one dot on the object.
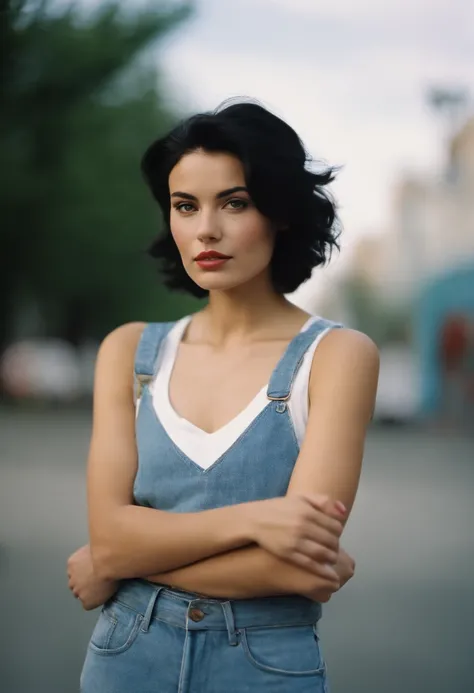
(206, 172)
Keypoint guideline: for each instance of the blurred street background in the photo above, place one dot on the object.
(385, 90)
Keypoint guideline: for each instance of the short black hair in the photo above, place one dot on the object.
(279, 181)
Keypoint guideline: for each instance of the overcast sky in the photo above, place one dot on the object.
(349, 75)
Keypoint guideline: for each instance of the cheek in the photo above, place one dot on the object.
(178, 231)
(258, 239)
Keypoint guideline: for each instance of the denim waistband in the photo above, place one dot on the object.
(193, 612)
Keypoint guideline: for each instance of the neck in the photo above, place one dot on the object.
(247, 312)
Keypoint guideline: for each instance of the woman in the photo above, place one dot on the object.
(226, 447)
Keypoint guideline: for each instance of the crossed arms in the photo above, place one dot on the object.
(269, 547)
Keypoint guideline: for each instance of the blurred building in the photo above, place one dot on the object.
(432, 230)
(432, 256)
(423, 267)
(434, 222)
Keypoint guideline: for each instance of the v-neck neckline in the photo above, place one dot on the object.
(242, 419)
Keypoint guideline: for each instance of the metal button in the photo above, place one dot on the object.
(196, 615)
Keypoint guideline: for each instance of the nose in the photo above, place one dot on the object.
(209, 230)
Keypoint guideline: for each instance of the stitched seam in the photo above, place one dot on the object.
(110, 632)
(285, 354)
(183, 660)
(297, 367)
(187, 459)
(320, 336)
(244, 433)
(130, 608)
(107, 652)
(162, 618)
(274, 670)
(242, 436)
(139, 388)
(165, 328)
(169, 623)
(159, 351)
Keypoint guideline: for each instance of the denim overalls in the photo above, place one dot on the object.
(154, 639)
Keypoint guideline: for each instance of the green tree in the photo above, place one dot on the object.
(79, 102)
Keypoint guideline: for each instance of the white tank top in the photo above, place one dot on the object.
(206, 448)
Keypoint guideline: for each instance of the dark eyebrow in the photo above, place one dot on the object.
(224, 193)
(187, 196)
(238, 188)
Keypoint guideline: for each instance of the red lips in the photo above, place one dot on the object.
(212, 255)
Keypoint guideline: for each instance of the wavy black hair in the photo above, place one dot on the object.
(280, 184)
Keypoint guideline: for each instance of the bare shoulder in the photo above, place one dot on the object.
(346, 348)
(122, 339)
(116, 356)
(342, 393)
(346, 362)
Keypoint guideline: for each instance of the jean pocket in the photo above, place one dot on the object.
(115, 630)
(289, 650)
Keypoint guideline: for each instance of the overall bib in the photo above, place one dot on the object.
(153, 639)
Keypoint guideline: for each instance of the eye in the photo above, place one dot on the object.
(184, 207)
(237, 203)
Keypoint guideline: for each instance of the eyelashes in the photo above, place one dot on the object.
(180, 206)
(236, 204)
(243, 203)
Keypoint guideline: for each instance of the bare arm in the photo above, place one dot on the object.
(342, 396)
(245, 574)
(343, 387)
(127, 540)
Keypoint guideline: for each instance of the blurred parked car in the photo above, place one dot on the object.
(47, 369)
(399, 385)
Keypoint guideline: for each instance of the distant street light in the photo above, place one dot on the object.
(452, 103)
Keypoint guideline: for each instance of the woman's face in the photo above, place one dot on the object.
(223, 240)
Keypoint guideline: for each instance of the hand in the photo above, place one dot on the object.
(303, 529)
(84, 584)
(345, 567)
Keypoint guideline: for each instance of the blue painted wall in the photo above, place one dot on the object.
(452, 293)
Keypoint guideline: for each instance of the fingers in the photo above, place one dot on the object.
(335, 509)
(318, 527)
(73, 589)
(316, 551)
(319, 535)
(331, 522)
(315, 537)
(322, 570)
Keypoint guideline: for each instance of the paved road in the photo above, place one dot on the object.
(404, 624)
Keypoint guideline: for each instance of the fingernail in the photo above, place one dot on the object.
(341, 507)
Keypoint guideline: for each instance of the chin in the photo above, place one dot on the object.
(215, 282)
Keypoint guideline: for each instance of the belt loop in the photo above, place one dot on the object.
(230, 623)
(149, 610)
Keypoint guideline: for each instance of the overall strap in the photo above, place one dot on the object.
(147, 353)
(284, 374)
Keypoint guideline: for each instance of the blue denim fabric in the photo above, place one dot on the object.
(152, 639)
